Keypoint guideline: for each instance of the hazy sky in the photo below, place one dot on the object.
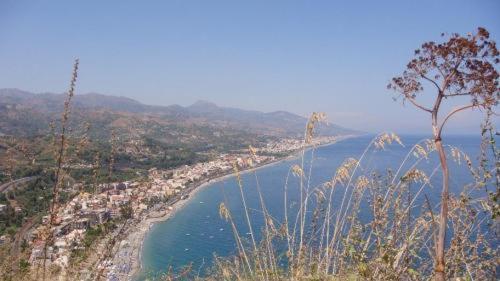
(299, 56)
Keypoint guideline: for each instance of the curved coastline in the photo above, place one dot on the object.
(137, 234)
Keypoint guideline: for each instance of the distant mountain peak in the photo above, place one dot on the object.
(202, 112)
(204, 104)
(117, 98)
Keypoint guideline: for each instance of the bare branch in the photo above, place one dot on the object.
(412, 100)
(456, 95)
(430, 80)
(440, 71)
(456, 111)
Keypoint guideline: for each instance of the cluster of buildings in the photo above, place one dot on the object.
(171, 182)
(88, 210)
(290, 145)
(84, 211)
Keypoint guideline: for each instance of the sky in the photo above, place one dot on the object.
(300, 56)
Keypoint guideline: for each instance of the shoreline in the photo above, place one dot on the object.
(138, 233)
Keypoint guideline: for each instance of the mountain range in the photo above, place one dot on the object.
(26, 113)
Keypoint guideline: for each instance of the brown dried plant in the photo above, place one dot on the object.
(462, 66)
(394, 244)
(61, 149)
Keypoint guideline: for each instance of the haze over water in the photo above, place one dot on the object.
(196, 232)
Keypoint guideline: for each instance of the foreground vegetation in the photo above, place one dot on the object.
(324, 240)
(405, 238)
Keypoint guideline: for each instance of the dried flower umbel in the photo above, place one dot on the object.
(461, 66)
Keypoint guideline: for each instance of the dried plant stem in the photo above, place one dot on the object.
(60, 158)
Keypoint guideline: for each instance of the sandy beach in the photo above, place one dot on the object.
(126, 263)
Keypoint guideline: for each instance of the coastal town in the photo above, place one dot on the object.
(139, 200)
(249, 140)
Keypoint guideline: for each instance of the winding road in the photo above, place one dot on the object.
(6, 186)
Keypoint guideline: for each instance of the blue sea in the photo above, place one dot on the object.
(196, 232)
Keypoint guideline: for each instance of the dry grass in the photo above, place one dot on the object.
(335, 243)
(323, 240)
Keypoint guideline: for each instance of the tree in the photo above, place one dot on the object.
(462, 66)
(24, 245)
(126, 211)
(24, 265)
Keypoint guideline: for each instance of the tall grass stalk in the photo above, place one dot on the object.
(331, 242)
(60, 160)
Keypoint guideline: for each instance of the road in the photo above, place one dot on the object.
(6, 186)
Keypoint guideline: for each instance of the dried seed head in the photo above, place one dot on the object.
(430, 145)
(253, 151)
(320, 195)
(282, 230)
(316, 117)
(396, 139)
(416, 175)
(455, 154)
(297, 171)
(224, 212)
(419, 151)
(235, 168)
(386, 138)
(271, 225)
(226, 273)
(362, 182)
(237, 172)
(343, 173)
